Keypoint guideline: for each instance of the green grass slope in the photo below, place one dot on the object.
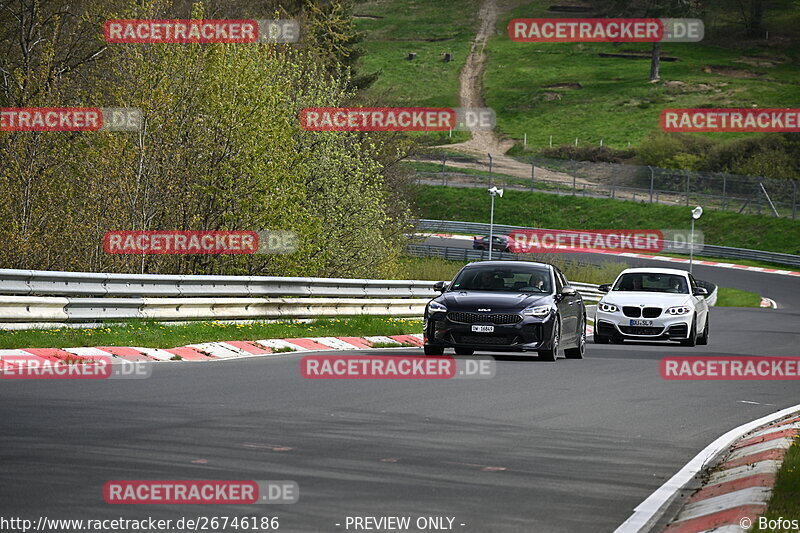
(569, 212)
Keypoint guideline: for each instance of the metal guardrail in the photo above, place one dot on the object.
(56, 283)
(588, 291)
(448, 226)
(48, 297)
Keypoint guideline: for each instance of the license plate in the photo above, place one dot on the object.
(641, 322)
(483, 329)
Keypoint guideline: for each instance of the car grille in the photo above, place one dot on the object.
(651, 312)
(636, 312)
(493, 340)
(477, 318)
(638, 330)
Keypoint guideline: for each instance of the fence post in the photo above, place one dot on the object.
(574, 175)
(491, 178)
(758, 196)
(652, 178)
(613, 185)
(533, 175)
(687, 188)
(724, 192)
(794, 199)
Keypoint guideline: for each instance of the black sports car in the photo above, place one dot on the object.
(500, 243)
(507, 306)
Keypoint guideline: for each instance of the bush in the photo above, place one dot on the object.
(595, 154)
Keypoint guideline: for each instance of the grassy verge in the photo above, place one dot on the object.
(567, 90)
(785, 500)
(150, 334)
(727, 297)
(543, 210)
(436, 269)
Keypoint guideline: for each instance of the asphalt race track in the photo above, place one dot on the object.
(570, 446)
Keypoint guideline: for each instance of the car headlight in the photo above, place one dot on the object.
(607, 307)
(538, 310)
(436, 307)
(679, 310)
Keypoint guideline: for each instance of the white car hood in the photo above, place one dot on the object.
(662, 299)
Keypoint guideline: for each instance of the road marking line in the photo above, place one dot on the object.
(645, 513)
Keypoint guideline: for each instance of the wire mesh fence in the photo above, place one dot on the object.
(712, 190)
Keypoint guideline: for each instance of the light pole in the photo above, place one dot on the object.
(494, 191)
(697, 212)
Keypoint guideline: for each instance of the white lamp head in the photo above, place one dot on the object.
(494, 191)
(697, 212)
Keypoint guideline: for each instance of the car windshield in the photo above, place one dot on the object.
(652, 282)
(509, 279)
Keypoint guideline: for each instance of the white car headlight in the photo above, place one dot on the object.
(435, 307)
(538, 310)
(607, 307)
(679, 310)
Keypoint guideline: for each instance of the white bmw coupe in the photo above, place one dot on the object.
(653, 304)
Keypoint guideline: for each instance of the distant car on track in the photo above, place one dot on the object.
(653, 304)
(507, 306)
(500, 243)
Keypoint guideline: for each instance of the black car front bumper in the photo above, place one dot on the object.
(528, 334)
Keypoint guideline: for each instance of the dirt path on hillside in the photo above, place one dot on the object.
(471, 95)
(471, 86)
(483, 143)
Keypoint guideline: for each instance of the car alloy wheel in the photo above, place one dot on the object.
(552, 354)
(703, 340)
(580, 349)
(692, 340)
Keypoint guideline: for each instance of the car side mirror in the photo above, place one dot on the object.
(700, 291)
(605, 287)
(568, 291)
(441, 286)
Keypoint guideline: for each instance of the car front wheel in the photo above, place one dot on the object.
(433, 350)
(703, 340)
(578, 351)
(552, 354)
(599, 339)
(692, 340)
